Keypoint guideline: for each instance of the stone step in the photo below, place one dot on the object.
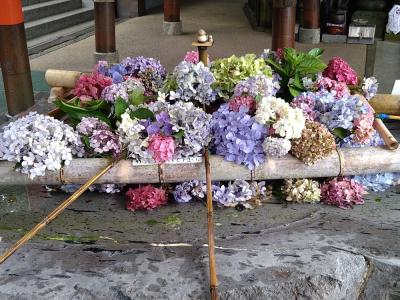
(57, 22)
(42, 43)
(49, 8)
(31, 2)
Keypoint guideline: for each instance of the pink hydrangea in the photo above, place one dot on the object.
(243, 101)
(337, 88)
(342, 192)
(147, 197)
(338, 69)
(90, 86)
(193, 57)
(161, 147)
(364, 130)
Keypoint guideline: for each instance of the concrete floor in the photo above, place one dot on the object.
(226, 22)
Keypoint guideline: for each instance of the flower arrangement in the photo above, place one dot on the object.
(228, 72)
(90, 86)
(301, 191)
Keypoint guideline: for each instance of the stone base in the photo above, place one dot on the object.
(334, 38)
(309, 36)
(172, 28)
(112, 57)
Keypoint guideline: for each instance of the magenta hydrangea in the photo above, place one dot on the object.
(337, 88)
(147, 197)
(342, 192)
(161, 147)
(90, 86)
(243, 101)
(338, 69)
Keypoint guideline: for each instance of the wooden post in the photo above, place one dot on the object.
(14, 58)
(310, 31)
(172, 17)
(203, 57)
(104, 17)
(283, 24)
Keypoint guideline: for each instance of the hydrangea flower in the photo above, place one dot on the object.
(88, 124)
(276, 147)
(377, 182)
(336, 88)
(338, 69)
(90, 86)
(238, 137)
(162, 125)
(246, 101)
(342, 192)
(141, 66)
(182, 192)
(301, 190)
(284, 120)
(161, 147)
(260, 85)
(196, 125)
(350, 141)
(363, 128)
(147, 197)
(38, 143)
(315, 143)
(121, 90)
(306, 102)
(230, 71)
(108, 188)
(193, 83)
(105, 141)
(369, 87)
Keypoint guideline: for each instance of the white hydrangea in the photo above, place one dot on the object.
(301, 190)
(287, 122)
(276, 147)
(38, 143)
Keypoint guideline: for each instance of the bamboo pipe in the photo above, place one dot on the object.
(386, 103)
(203, 57)
(54, 214)
(62, 78)
(354, 161)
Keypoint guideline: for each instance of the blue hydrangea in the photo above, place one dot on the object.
(238, 137)
(378, 182)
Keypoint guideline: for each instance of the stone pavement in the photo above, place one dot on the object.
(97, 250)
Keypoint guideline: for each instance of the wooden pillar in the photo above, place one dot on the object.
(172, 17)
(310, 30)
(104, 18)
(283, 24)
(14, 58)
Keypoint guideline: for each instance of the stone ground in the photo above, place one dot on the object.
(98, 250)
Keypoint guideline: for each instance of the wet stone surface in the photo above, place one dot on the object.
(98, 250)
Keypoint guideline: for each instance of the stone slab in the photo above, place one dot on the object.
(334, 38)
(309, 36)
(112, 57)
(172, 28)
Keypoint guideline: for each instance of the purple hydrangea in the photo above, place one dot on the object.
(238, 137)
(114, 91)
(105, 141)
(89, 124)
(162, 125)
(259, 85)
(140, 65)
(182, 192)
(349, 142)
(306, 102)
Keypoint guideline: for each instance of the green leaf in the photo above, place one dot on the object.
(86, 140)
(142, 114)
(316, 52)
(179, 134)
(310, 65)
(77, 113)
(136, 97)
(341, 132)
(96, 105)
(120, 107)
(378, 199)
(294, 91)
(259, 98)
(277, 67)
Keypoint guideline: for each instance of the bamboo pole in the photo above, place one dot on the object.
(386, 103)
(62, 78)
(54, 213)
(203, 57)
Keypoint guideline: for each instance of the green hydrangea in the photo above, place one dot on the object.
(229, 71)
